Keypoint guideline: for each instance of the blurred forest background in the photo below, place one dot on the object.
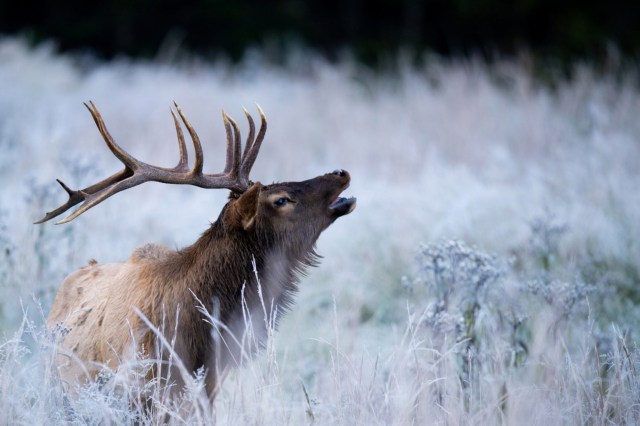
(555, 32)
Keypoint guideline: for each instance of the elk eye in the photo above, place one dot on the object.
(281, 201)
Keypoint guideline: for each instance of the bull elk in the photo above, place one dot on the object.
(252, 256)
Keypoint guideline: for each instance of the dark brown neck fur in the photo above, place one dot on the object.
(218, 270)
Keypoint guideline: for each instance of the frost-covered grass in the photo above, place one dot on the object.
(490, 273)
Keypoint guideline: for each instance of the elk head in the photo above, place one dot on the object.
(279, 211)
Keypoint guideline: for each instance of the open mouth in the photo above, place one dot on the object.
(341, 206)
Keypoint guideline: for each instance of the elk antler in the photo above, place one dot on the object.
(234, 177)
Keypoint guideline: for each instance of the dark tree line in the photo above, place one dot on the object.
(562, 29)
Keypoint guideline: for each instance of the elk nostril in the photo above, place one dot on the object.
(339, 172)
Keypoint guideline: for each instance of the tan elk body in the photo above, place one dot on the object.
(242, 272)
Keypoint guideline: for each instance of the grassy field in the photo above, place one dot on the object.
(489, 275)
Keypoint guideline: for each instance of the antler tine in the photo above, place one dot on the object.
(74, 198)
(183, 163)
(251, 152)
(252, 132)
(78, 196)
(120, 153)
(199, 163)
(232, 165)
(92, 200)
(228, 163)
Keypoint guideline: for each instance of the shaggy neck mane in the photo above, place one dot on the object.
(220, 269)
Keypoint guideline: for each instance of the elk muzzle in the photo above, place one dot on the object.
(341, 206)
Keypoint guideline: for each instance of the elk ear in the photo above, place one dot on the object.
(247, 206)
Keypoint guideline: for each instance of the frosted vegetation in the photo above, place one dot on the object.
(490, 274)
